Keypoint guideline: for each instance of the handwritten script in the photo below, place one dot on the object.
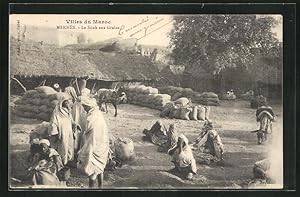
(143, 28)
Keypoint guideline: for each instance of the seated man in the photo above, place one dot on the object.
(46, 165)
(57, 87)
(209, 142)
(230, 95)
(123, 98)
(182, 157)
(51, 155)
(261, 169)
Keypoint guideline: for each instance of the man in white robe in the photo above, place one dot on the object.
(93, 155)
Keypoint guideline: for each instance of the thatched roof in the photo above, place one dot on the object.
(35, 59)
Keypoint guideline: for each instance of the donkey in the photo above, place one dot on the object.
(113, 96)
(265, 117)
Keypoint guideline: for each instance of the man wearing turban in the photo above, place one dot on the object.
(93, 155)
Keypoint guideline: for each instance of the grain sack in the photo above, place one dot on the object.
(46, 89)
(36, 101)
(36, 96)
(53, 97)
(151, 90)
(188, 91)
(176, 96)
(45, 101)
(30, 93)
(43, 95)
(163, 96)
(201, 113)
(29, 108)
(182, 101)
(194, 113)
(154, 91)
(43, 108)
(163, 103)
(176, 89)
(210, 103)
(174, 113)
(124, 149)
(29, 114)
(20, 107)
(19, 101)
(161, 89)
(140, 89)
(169, 105)
(36, 109)
(207, 112)
(184, 114)
(165, 112)
(209, 95)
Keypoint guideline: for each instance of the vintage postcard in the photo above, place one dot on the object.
(145, 101)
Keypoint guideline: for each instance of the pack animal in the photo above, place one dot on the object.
(265, 117)
(265, 127)
(112, 96)
(105, 96)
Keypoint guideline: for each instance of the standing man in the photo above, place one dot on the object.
(71, 91)
(93, 155)
(61, 128)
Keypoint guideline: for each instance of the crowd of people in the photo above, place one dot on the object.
(78, 137)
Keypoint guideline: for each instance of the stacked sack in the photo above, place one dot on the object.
(37, 104)
(206, 98)
(177, 92)
(185, 112)
(147, 96)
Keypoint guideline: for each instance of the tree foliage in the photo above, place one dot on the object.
(216, 42)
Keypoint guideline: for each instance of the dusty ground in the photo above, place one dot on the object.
(233, 119)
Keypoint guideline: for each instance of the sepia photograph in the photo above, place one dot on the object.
(145, 101)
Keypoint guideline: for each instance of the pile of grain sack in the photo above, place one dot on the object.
(181, 109)
(37, 104)
(205, 98)
(147, 96)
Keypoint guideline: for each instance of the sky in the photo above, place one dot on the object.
(148, 29)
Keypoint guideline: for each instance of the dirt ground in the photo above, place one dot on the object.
(152, 169)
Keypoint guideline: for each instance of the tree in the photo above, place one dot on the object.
(217, 42)
(81, 39)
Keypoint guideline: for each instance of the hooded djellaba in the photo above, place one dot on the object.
(209, 145)
(182, 157)
(94, 152)
(62, 127)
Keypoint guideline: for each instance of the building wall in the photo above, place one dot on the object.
(43, 34)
